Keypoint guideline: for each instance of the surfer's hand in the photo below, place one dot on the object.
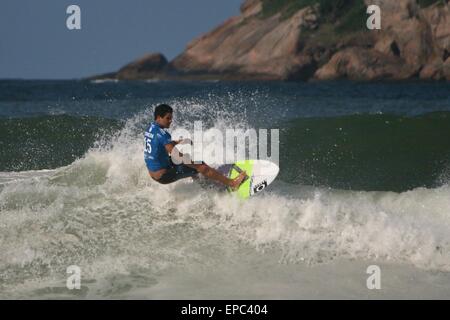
(185, 141)
(180, 141)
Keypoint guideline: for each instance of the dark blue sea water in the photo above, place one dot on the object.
(279, 100)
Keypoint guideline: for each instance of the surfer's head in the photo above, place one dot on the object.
(163, 115)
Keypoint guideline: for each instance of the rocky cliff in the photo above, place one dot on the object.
(314, 39)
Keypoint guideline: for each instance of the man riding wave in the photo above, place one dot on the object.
(159, 146)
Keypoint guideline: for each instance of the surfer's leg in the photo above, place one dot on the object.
(168, 177)
(213, 174)
(176, 173)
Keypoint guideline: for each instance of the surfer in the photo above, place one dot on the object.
(159, 146)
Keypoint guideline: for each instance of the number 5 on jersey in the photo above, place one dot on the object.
(148, 145)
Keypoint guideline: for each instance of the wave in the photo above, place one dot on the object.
(367, 152)
(103, 213)
(97, 81)
(371, 152)
(48, 142)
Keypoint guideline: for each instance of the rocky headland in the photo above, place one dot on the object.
(296, 40)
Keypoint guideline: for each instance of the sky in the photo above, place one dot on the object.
(35, 42)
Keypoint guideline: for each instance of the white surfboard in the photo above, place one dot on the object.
(261, 174)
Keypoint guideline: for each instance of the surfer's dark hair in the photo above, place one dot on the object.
(162, 109)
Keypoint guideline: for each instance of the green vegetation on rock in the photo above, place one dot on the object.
(427, 3)
(346, 15)
(354, 19)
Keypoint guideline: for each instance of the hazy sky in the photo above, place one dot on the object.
(36, 44)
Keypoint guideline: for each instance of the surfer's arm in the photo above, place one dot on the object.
(170, 146)
(174, 143)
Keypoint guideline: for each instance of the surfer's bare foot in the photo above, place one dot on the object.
(236, 182)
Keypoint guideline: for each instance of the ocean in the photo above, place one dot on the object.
(364, 180)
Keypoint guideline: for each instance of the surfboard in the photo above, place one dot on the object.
(261, 173)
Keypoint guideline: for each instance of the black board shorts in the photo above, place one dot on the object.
(177, 172)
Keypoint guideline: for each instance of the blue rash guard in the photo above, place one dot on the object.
(157, 158)
(155, 153)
